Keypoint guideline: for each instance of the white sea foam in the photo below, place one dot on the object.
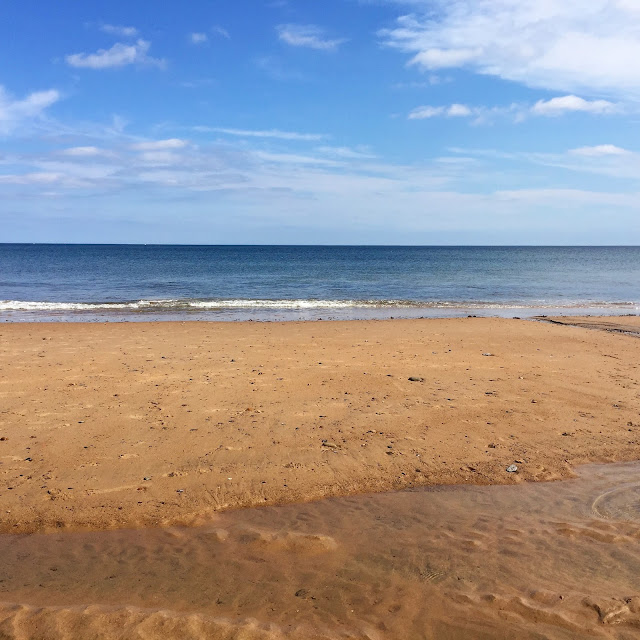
(298, 304)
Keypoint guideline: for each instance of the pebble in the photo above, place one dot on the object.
(415, 379)
(512, 468)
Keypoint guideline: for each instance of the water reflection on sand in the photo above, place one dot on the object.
(553, 560)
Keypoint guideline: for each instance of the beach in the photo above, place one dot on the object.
(114, 425)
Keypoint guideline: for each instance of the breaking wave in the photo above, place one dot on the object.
(297, 304)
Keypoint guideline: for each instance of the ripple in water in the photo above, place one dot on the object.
(532, 561)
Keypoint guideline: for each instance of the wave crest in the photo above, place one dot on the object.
(297, 304)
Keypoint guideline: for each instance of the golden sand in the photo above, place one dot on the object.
(114, 425)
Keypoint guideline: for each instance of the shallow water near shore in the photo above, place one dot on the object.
(544, 560)
(273, 283)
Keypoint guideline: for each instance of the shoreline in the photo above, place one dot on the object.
(222, 415)
(325, 314)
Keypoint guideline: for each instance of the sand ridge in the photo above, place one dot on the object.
(128, 424)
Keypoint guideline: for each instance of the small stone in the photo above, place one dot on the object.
(415, 379)
(512, 468)
(487, 354)
(147, 478)
(330, 445)
(301, 593)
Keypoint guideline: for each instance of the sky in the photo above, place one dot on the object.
(320, 121)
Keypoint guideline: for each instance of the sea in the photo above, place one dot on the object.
(76, 282)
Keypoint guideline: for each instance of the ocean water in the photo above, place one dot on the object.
(144, 282)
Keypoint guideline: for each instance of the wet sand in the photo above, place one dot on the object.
(629, 325)
(533, 561)
(138, 424)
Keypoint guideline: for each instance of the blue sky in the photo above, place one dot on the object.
(333, 122)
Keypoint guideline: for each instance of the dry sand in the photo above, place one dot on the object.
(113, 425)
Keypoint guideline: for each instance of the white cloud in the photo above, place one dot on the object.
(442, 59)
(120, 31)
(424, 112)
(160, 145)
(15, 112)
(606, 160)
(295, 159)
(82, 152)
(518, 112)
(339, 187)
(567, 45)
(459, 110)
(301, 35)
(347, 152)
(156, 158)
(430, 81)
(41, 178)
(563, 104)
(452, 111)
(269, 133)
(600, 150)
(579, 197)
(119, 55)
(198, 38)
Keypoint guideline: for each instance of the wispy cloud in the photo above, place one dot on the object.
(602, 159)
(600, 150)
(16, 112)
(338, 188)
(119, 55)
(160, 145)
(307, 35)
(120, 31)
(40, 178)
(220, 31)
(82, 152)
(198, 38)
(452, 111)
(361, 153)
(581, 47)
(267, 133)
(518, 111)
(431, 81)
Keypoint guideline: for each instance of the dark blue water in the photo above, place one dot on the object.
(300, 282)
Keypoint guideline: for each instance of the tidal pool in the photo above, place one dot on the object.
(549, 560)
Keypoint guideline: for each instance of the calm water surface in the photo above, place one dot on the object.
(117, 282)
